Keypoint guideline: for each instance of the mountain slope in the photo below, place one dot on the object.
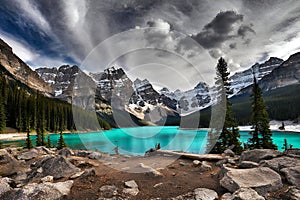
(20, 71)
(243, 79)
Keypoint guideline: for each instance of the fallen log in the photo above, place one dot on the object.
(208, 157)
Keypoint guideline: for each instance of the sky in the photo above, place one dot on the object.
(173, 43)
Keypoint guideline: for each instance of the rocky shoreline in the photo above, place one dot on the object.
(43, 173)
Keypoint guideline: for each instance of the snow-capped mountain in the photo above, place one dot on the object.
(60, 79)
(241, 80)
(190, 100)
(288, 73)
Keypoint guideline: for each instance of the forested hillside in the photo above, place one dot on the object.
(24, 109)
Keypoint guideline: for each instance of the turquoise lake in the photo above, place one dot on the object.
(135, 141)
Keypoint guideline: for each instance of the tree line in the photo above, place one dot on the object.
(26, 110)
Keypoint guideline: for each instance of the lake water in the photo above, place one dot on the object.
(135, 141)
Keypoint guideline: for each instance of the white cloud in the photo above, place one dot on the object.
(28, 55)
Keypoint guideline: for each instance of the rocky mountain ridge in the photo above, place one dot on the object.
(20, 71)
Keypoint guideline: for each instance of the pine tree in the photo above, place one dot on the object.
(61, 141)
(28, 141)
(49, 144)
(229, 135)
(259, 121)
(2, 116)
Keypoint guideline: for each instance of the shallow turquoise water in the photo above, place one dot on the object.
(136, 141)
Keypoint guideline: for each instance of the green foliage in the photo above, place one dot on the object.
(281, 104)
(28, 142)
(61, 142)
(2, 116)
(261, 133)
(24, 109)
(229, 135)
(49, 144)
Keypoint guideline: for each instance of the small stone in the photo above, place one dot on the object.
(205, 166)
(95, 155)
(157, 185)
(40, 170)
(47, 179)
(131, 184)
(229, 152)
(196, 162)
(182, 163)
(109, 191)
(125, 168)
(76, 175)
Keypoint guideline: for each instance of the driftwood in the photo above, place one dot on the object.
(209, 157)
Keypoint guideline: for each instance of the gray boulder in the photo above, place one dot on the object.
(58, 167)
(66, 152)
(198, 194)
(4, 186)
(257, 155)
(49, 191)
(8, 164)
(205, 194)
(28, 155)
(261, 179)
(95, 155)
(248, 164)
(292, 175)
(246, 194)
(281, 162)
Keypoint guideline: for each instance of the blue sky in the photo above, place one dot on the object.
(52, 33)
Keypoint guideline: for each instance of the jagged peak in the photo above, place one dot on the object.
(200, 85)
(164, 89)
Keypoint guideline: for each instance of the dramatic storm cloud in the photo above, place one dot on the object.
(183, 37)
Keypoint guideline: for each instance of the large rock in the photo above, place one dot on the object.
(4, 186)
(198, 194)
(246, 194)
(261, 179)
(292, 175)
(205, 194)
(49, 191)
(58, 167)
(28, 155)
(279, 163)
(66, 152)
(257, 155)
(8, 164)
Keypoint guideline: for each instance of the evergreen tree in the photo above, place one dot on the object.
(2, 116)
(261, 133)
(49, 144)
(229, 135)
(28, 142)
(61, 141)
